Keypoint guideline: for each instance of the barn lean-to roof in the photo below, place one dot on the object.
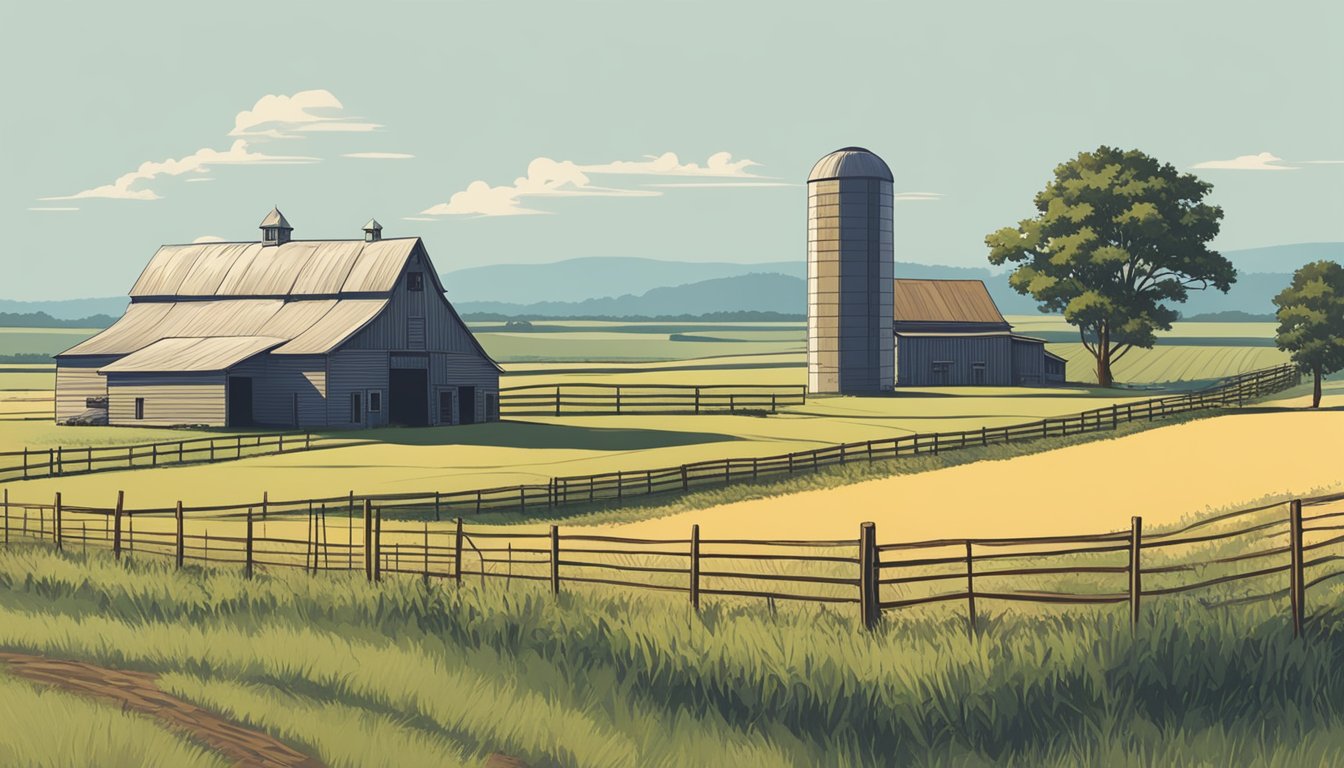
(944, 301)
(192, 355)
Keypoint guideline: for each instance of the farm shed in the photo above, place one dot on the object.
(950, 333)
(284, 333)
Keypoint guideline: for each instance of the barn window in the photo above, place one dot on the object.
(977, 373)
(356, 407)
(415, 281)
(492, 406)
(139, 408)
(942, 371)
(375, 401)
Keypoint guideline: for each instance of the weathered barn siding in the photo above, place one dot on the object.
(916, 356)
(356, 370)
(439, 329)
(78, 379)
(170, 399)
(450, 371)
(277, 380)
(1028, 362)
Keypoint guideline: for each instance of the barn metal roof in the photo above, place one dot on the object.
(850, 162)
(290, 270)
(193, 354)
(310, 326)
(334, 327)
(944, 301)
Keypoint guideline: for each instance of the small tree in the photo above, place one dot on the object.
(1116, 236)
(1311, 321)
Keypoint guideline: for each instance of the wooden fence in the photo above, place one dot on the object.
(1278, 550)
(647, 399)
(32, 463)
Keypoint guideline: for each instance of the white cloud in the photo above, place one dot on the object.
(916, 196)
(198, 161)
(274, 114)
(719, 165)
(198, 179)
(550, 178)
(208, 239)
(1263, 161)
(1324, 162)
(545, 178)
(53, 209)
(379, 155)
(714, 184)
(418, 218)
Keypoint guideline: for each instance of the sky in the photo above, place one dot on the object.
(521, 132)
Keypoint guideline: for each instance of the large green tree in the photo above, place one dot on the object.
(1311, 321)
(1117, 237)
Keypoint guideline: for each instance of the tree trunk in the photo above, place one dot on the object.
(1104, 378)
(1316, 388)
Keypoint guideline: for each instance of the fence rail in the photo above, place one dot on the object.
(648, 399)
(33, 463)
(1128, 567)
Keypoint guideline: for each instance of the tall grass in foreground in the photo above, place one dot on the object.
(44, 728)
(403, 674)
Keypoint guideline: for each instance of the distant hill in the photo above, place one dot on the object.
(68, 309)
(742, 293)
(1284, 259)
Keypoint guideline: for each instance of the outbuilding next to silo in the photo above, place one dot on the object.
(950, 333)
(284, 333)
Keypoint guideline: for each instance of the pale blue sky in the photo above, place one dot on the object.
(971, 102)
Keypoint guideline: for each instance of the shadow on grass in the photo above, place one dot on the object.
(522, 434)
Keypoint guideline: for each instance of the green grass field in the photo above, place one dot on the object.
(399, 673)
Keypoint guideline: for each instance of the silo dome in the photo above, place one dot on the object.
(850, 250)
(850, 162)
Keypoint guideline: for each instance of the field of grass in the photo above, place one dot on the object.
(399, 673)
(42, 341)
(45, 728)
(1166, 364)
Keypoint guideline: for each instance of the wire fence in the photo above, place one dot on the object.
(646, 399)
(1260, 553)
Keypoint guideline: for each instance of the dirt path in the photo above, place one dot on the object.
(1163, 474)
(137, 691)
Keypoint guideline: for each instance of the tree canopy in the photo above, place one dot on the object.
(1311, 321)
(1117, 237)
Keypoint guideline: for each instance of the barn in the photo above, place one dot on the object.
(283, 333)
(950, 333)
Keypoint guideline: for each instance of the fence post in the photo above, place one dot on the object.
(265, 504)
(1135, 570)
(60, 461)
(436, 506)
(25, 462)
(618, 400)
(6, 517)
(868, 591)
(557, 401)
(1296, 587)
(350, 535)
(697, 399)
(56, 522)
(378, 544)
(695, 566)
(970, 592)
(116, 525)
(426, 554)
(368, 539)
(555, 559)
(181, 538)
(457, 554)
(247, 570)
(685, 480)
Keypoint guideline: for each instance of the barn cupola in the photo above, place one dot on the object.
(373, 231)
(275, 230)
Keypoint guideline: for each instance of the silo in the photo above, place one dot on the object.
(850, 349)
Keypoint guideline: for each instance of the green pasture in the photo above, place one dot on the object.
(41, 341)
(355, 672)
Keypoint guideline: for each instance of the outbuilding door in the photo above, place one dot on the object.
(408, 397)
(240, 401)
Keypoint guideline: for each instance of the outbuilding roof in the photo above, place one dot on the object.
(193, 355)
(944, 301)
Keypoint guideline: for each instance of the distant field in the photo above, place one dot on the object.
(41, 341)
(1163, 364)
